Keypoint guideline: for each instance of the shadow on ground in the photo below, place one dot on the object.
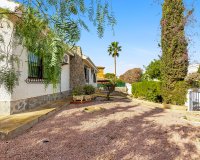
(132, 137)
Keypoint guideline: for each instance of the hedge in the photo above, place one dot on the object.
(178, 95)
(118, 84)
(149, 90)
(152, 91)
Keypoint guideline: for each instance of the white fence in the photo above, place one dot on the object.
(129, 88)
(193, 100)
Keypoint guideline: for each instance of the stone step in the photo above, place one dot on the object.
(14, 125)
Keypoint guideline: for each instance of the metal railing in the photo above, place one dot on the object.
(194, 101)
(35, 69)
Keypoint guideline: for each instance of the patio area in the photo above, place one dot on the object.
(14, 125)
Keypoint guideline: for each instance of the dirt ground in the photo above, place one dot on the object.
(123, 130)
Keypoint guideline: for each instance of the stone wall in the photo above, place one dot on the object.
(30, 103)
(77, 76)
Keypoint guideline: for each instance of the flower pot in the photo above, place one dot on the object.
(93, 96)
(78, 98)
(88, 97)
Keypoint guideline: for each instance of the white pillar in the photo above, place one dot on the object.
(129, 87)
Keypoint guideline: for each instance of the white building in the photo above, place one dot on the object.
(30, 92)
(193, 68)
(90, 71)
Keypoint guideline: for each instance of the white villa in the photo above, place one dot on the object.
(30, 92)
(193, 68)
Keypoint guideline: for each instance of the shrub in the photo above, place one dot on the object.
(89, 89)
(193, 80)
(149, 90)
(120, 83)
(178, 95)
(152, 71)
(78, 90)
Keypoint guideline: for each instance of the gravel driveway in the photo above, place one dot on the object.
(123, 131)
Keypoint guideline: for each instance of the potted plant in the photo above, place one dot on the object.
(89, 90)
(77, 93)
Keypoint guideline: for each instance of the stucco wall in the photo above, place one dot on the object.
(5, 47)
(100, 73)
(25, 90)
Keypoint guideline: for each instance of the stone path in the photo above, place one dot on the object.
(123, 130)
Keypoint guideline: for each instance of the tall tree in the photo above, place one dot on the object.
(113, 51)
(153, 71)
(174, 60)
(110, 75)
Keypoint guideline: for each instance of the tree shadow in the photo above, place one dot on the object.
(132, 137)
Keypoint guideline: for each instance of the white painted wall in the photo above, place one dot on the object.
(5, 47)
(187, 103)
(24, 90)
(129, 88)
(4, 95)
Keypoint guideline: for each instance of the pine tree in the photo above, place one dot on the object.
(174, 60)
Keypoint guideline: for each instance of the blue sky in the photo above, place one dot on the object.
(138, 32)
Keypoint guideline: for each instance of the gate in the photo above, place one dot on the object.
(194, 103)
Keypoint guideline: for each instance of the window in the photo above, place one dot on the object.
(35, 68)
(93, 75)
(94, 78)
(86, 71)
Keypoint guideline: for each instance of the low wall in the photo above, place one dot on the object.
(18, 106)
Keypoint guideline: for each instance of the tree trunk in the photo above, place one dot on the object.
(111, 88)
(115, 67)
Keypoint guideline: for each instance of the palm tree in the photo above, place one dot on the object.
(113, 51)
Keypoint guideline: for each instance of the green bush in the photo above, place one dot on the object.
(152, 91)
(78, 90)
(178, 95)
(89, 89)
(149, 90)
(120, 83)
